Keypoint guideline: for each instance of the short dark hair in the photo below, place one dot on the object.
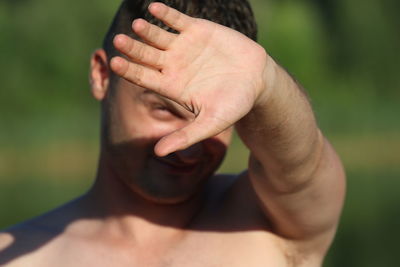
(236, 14)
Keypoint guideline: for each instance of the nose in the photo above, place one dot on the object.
(191, 154)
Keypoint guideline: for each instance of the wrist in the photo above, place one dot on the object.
(269, 77)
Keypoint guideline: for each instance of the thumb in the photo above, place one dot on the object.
(203, 127)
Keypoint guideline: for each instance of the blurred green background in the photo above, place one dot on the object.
(346, 53)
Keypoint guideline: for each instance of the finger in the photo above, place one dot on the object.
(137, 74)
(197, 131)
(152, 34)
(171, 17)
(139, 52)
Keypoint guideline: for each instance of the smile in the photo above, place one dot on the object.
(177, 167)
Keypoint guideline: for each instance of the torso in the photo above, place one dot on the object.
(230, 231)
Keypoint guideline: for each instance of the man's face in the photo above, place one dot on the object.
(136, 119)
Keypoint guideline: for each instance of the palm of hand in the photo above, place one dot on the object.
(211, 70)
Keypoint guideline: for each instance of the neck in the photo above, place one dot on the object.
(127, 214)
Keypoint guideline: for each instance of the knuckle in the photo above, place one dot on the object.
(178, 19)
(131, 48)
(140, 53)
(155, 58)
(124, 71)
(138, 74)
(147, 30)
(160, 60)
(134, 74)
(155, 35)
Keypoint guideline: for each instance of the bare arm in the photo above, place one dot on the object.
(294, 170)
(226, 79)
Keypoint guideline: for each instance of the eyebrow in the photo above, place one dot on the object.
(162, 98)
(149, 92)
(182, 112)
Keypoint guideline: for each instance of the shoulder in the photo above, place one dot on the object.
(241, 210)
(231, 189)
(6, 239)
(30, 240)
(232, 197)
(18, 242)
(237, 188)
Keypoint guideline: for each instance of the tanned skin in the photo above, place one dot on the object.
(156, 201)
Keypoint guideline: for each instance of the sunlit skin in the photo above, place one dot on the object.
(169, 104)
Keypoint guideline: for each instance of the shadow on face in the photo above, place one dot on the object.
(134, 120)
(163, 180)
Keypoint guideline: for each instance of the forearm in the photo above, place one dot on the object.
(281, 131)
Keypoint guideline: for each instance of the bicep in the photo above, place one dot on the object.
(309, 211)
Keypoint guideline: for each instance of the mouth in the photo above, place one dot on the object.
(176, 167)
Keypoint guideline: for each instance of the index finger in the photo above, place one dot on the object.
(170, 16)
(202, 127)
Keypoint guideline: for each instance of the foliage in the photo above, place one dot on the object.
(343, 52)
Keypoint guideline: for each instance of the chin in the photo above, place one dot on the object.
(170, 201)
(164, 198)
(167, 190)
(162, 186)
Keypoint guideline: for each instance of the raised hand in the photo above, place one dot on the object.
(211, 70)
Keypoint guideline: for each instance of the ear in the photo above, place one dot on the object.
(99, 75)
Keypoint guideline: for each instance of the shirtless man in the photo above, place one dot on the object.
(165, 128)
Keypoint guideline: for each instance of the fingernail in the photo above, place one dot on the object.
(138, 24)
(116, 63)
(120, 40)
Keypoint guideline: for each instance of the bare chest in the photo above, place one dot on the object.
(248, 249)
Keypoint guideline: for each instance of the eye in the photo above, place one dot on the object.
(160, 107)
(161, 112)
